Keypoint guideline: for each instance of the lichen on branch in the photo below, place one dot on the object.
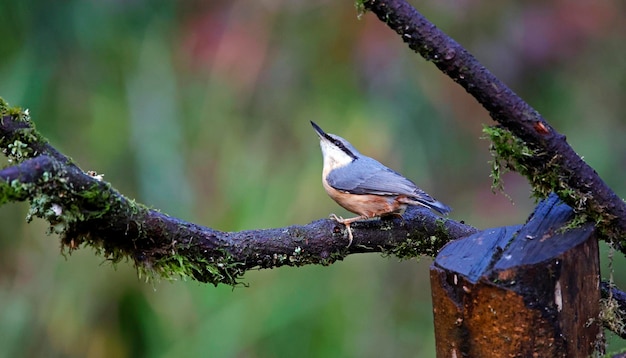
(554, 165)
(86, 211)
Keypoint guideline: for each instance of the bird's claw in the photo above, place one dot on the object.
(346, 223)
(338, 219)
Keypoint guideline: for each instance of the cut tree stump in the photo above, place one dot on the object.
(519, 291)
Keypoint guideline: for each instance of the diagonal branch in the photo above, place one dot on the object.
(554, 166)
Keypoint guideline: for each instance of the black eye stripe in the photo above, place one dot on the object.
(344, 149)
(340, 145)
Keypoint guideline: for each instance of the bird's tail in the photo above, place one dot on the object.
(427, 201)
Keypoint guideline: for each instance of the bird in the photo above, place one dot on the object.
(364, 186)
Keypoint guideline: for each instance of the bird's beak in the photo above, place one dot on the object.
(319, 130)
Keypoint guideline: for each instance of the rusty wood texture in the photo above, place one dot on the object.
(519, 291)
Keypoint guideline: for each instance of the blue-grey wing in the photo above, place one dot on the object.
(367, 176)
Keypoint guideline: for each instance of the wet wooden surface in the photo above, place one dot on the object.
(519, 291)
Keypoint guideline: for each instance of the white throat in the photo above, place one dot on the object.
(334, 157)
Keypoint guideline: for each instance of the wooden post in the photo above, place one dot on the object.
(519, 291)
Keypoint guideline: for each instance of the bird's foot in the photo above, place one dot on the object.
(346, 223)
(349, 234)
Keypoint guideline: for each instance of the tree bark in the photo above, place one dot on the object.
(554, 165)
(520, 291)
(85, 210)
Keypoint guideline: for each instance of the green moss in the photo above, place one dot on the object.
(576, 222)
(331, 258)
(21, 143)
(65, 205)
(6, 109)
(611, 316)
(105, 204)
(405, 250)
(509, 153)
(545, 176)
(360, 8)
(176, 265)
(59, 208)
(53, 198)
(18, 150)
(62, 204)
(414, 247)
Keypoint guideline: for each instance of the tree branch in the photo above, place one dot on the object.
(553, 165)
(614, 311)
(85, 210)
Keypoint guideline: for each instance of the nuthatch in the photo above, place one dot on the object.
(364, 186)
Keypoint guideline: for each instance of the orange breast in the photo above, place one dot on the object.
(366, 205)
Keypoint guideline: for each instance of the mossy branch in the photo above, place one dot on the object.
(613, 313)
(554, 165)
(87, 211)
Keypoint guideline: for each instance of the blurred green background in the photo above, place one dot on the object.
(201, 109)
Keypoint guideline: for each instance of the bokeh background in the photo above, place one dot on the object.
(201, 109)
